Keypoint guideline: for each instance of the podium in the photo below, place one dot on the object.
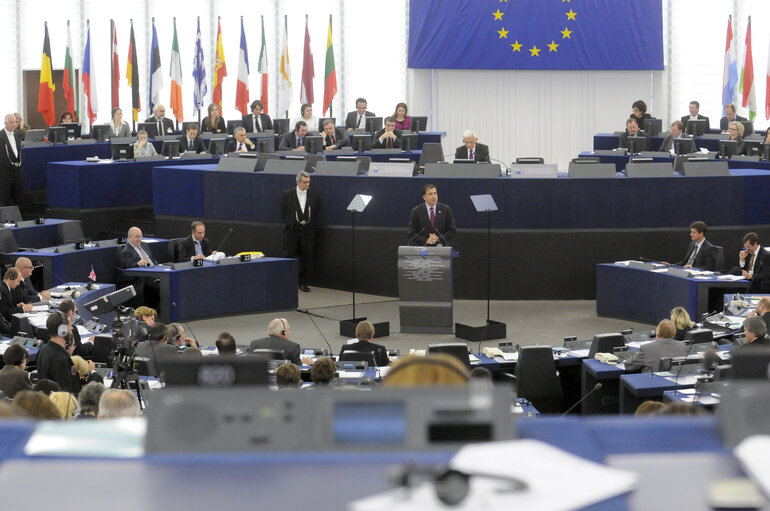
(425, 289)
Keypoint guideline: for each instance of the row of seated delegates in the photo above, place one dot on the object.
(753, 264)
(213, 122)
(730, 116)
(472, 149)
(278, 338)
(695, 115)
(98, 403)
(664, 345)
(306, 115)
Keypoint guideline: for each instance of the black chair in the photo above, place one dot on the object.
(145, 366)
(173, 249)
(537, 379)
(698, 336)
(269, 354)
(432, 152)
(69, 232)
(456, 349)
(603, 343)
(358, 356)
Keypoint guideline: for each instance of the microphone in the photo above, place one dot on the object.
(596, 387)
(225, 239)
(505, 168)
(676, 380)
(310, 315)
(441, 236)
(411, 240)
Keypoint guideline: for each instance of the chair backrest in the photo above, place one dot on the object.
(173, 248)
(537, 380)
(269, 354)
(358, 356)
(603, 343)
(69, 232)
(145, 366)
(432, 152)
(719, 257)
(456, 349)
(102, 351)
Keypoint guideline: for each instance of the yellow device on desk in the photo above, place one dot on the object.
(254, 255)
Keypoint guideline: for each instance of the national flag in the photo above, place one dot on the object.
(132, 75)
(242, 87)
(92, 275)
(176, 80)
(308, 71)
(45, 103)
(330, 73)
(730, 75)
(767, 87)
(199, 73)
(284, 74)
(220, 67)
(156, 76)
(262, 69)
(68, 79)
(115, 64)
(89, 79)
(748, 92)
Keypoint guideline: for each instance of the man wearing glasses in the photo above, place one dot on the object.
(25, 292)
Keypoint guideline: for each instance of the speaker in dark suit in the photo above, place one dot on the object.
(300, 225)
(754, 264)
(357, 118)
(436, 229)
(472, 150)
(256, 121)
(11, 180)
(195, 246)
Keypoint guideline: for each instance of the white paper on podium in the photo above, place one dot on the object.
(216, 257)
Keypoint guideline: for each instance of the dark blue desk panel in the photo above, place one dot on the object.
(646, 296)
(261, 285)
(621, 160)
(604, 400)
(39, 236)
(638, 388)
(615, 203)
(36, 159)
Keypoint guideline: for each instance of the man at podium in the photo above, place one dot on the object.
(431, 223)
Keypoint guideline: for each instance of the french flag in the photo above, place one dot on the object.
(242, 89)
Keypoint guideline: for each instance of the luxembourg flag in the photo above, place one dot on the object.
(242, 88)
(730, 76)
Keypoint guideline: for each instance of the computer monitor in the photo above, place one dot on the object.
(73, 129)
(100, 132)
(150, 127)
(653, 126)
(217, 146)
(728, 148)
(373, 124)
(265, 144)
(322, 120)
(232, 124)
(409, 141)
(362, 143)
(122, 151)
(57, 134)
(751, 364)
(456, 349)
(313, 144)
(684, 146)
(753, 147)
(637, 144)
(281, 126)
(696, 127)
(170, 148)
(419, 123)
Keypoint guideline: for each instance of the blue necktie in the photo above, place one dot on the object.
(299, 141)
(198, 250)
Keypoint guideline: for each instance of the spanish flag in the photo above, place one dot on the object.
(45, 100)
(220, 68)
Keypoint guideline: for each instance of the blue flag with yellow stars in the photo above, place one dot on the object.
(536, 34)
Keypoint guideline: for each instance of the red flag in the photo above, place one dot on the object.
(115, 68)
(308, 73)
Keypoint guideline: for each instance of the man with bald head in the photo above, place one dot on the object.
(11, 180)
(471, 149)
(278, 333)
(136, 253)
(25, 292)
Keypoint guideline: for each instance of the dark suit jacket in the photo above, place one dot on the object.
(761, 270)
(340, 135)
(291, 213)
(420, 228)
(687, 118)
(131, 258)
(668, 141)
(187, 248)
(289, 141)
(380, 353)
(273, 342)
(248, 123)
(54, 363)
(232, 146)
(352, 119)
(13, 379)
(198, 146)
(480, 153)
(724, 123)
(219, 128)
(649, 355)
(623, 142)
(705, 259)
(6, 163)
(376, 144)
(168, 124)
(7, 305)
(25, 292)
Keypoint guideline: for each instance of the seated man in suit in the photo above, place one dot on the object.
(163, 125)
(156, 347)
(294, 140)
(190, 141)
(677, 131)
(431, 223)
(763, 309)
(663, 346)
(730, 116)
(356, 120)
(195, 246)
(278, 333)
(134, 254)
(632, 130)
(388, 137)
(8, 306)
(694, 115)
(225, 344)
(25, 292)
(240, 142)
(471, 149)
(755, 330)
(365, 335)
(256, 121)
(333, 138)
(753, 263)
(700, 254)
(13, 375)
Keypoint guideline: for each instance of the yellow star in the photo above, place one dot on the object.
(565, 34)
(501, 1)
(562, 1)
(503, 33)
(552, 46)
(517, 46)
(498, 15)
(534, 51)
(571, 15)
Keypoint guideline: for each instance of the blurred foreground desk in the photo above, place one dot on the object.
(265, 284)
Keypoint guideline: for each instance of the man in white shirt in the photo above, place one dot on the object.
(11, 177)
(753, 264)
(299, 210)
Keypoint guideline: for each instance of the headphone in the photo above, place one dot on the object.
(283, 332)
(62, 330)
(172, 338)
(429, 361)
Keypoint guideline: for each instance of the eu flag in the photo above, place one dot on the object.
(536, 34)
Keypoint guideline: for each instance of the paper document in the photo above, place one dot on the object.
(509, 357)
(83, 330)
(578, 353)
(684, 379)
(730, 278)
(216, 257)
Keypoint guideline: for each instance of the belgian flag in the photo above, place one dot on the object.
(45, 99)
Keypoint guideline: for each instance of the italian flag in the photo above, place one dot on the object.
(262, 68)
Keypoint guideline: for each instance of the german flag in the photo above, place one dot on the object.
(45, 99)
(132, 75)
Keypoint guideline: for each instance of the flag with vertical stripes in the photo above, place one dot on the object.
(330, 72)
(132, 75)
(262, 69)
(89, 80)
(45, 103)
(308, 70)
(115, 67)
(284, 74)
(156, 76)
(176, 79)
(220, 67)
(68, 79)
(730, 75)
(242, 86)
(767, 87)
(199, 73)
(748, 93)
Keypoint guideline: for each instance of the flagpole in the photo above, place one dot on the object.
(331, 106)
(197, 105)
(286, 31)
(133, 122)
(112, 63)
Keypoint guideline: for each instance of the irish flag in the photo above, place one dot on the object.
(746, 86)
(262, 68)
(176, 80)
(330, 74)
(242, 88)
(45, 99)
